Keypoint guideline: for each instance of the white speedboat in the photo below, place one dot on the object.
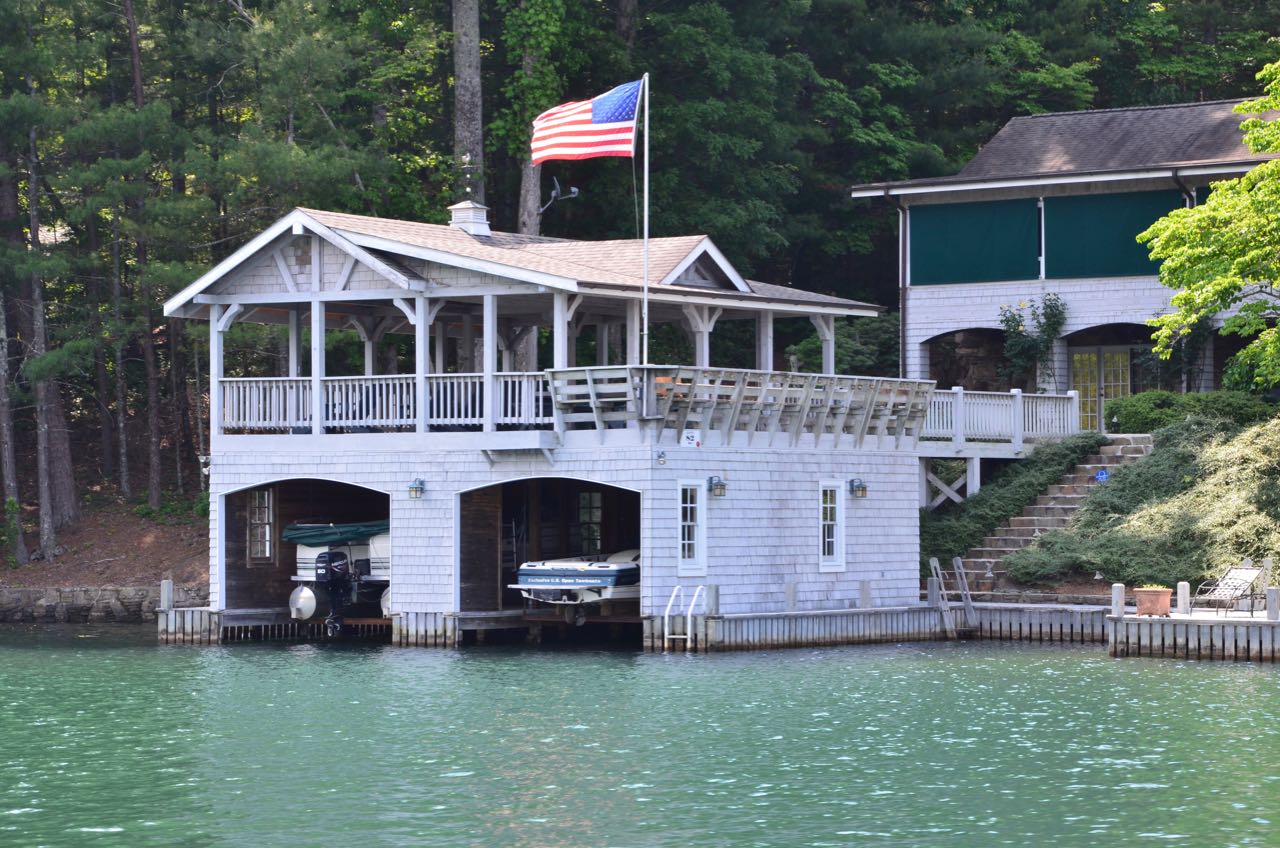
(581, 580)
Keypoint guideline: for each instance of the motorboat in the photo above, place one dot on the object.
(342, 570)
(575, 581)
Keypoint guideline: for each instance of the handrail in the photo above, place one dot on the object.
(678, 592)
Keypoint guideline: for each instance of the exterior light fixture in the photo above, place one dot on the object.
(205, 459)
(416, 488)
(857, 488)
(716, 486)
(661, 458)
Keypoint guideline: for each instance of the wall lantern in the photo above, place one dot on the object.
(857, 488)
(716, 486)
(662, 457)
(416, 488)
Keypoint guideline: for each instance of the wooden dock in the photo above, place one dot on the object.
(1200, 636)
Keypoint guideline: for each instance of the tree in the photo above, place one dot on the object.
(1225, 253)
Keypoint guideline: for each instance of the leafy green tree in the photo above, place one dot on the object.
(1225, 254)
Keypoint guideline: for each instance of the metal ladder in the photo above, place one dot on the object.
(667, 636)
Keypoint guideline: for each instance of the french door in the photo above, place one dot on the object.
(1097, 374)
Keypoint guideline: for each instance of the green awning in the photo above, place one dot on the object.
(320, 535)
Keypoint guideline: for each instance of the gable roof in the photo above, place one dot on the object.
(611, 265)
(1101, 144)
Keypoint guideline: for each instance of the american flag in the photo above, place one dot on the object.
(584, 129)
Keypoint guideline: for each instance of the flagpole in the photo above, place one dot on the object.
(644, 304)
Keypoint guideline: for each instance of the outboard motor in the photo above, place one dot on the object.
(333, 571)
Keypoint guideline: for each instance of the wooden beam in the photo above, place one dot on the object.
(344, 276)
(285, 274)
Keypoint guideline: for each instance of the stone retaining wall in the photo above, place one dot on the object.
(120, 604)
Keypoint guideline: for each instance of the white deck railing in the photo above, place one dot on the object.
(382, 403)
(270, 404)
(1001, 416)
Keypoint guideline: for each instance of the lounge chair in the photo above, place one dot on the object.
(1245, 581)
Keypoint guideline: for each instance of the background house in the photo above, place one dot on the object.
(1052, 204)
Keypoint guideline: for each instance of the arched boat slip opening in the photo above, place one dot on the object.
(258, 568)
(503, 526)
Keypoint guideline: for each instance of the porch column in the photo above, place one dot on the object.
(490, 340)
(295, 340)
(633, 332)
(421, 344)
(317, 367)
(215, 373)
(1052, 376)
(370, 355)
(467, 350)
(764, 341)
(602, 343)
(442, 338)
(826, 327)
(560, 330)
(701, 321)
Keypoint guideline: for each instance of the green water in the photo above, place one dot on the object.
(109, 740)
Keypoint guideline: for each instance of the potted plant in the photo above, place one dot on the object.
(1153, 599)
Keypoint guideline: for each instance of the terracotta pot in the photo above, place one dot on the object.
(1153, 601)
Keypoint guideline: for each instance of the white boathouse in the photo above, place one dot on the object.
(779, 492)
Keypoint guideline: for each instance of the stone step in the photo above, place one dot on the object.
(996, 554)
(1131, 439)
(1006, 535)
(1073, 501)
(1063, 512)
(1043, 522)
(1058, 489)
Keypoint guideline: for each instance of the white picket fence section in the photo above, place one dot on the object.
(274, 404)
(1013, 417)
(384, 402)
(524, 399)
(455, 400)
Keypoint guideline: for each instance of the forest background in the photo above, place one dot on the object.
(143, 140)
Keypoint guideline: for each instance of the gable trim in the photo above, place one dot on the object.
(483, 266)
(179, 305)
(707, 248)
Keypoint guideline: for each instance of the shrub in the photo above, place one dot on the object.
(1147, 412)
(955, 528)
(1207, 496)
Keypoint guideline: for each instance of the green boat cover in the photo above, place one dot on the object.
(319, 535)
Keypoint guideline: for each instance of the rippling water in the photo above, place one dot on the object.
(109, 740)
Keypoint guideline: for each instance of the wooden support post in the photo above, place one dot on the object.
(924, 482)
(215, 373)
(421, 343)
(713, 599)
(602, 343)
(1273, 603)
(1184, 598)
(467, 347)
(317, 367)
(1017, 423)
(1117, 599)
(166, 595)
(764, 341)
(633, 332)
(490, 363)
(295, 340)
(826, 327)
(560, 330)
(957, 416)
(934, 592)
(972, 476)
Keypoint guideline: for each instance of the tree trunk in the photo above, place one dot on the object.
(625, 22)
(66, 495)
(122, 385)
(468, 126)
(154, 458)
(102, 383)
(36, 349)
(11, 233)
(530, 222)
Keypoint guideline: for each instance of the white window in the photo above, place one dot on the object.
(692, 560)
(260, 523)
(590, 520)
(830, 527)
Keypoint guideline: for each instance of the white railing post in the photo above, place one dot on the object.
(1073, 403)
(957, 415)
(1017, 422)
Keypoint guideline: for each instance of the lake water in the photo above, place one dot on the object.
(107, 739)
